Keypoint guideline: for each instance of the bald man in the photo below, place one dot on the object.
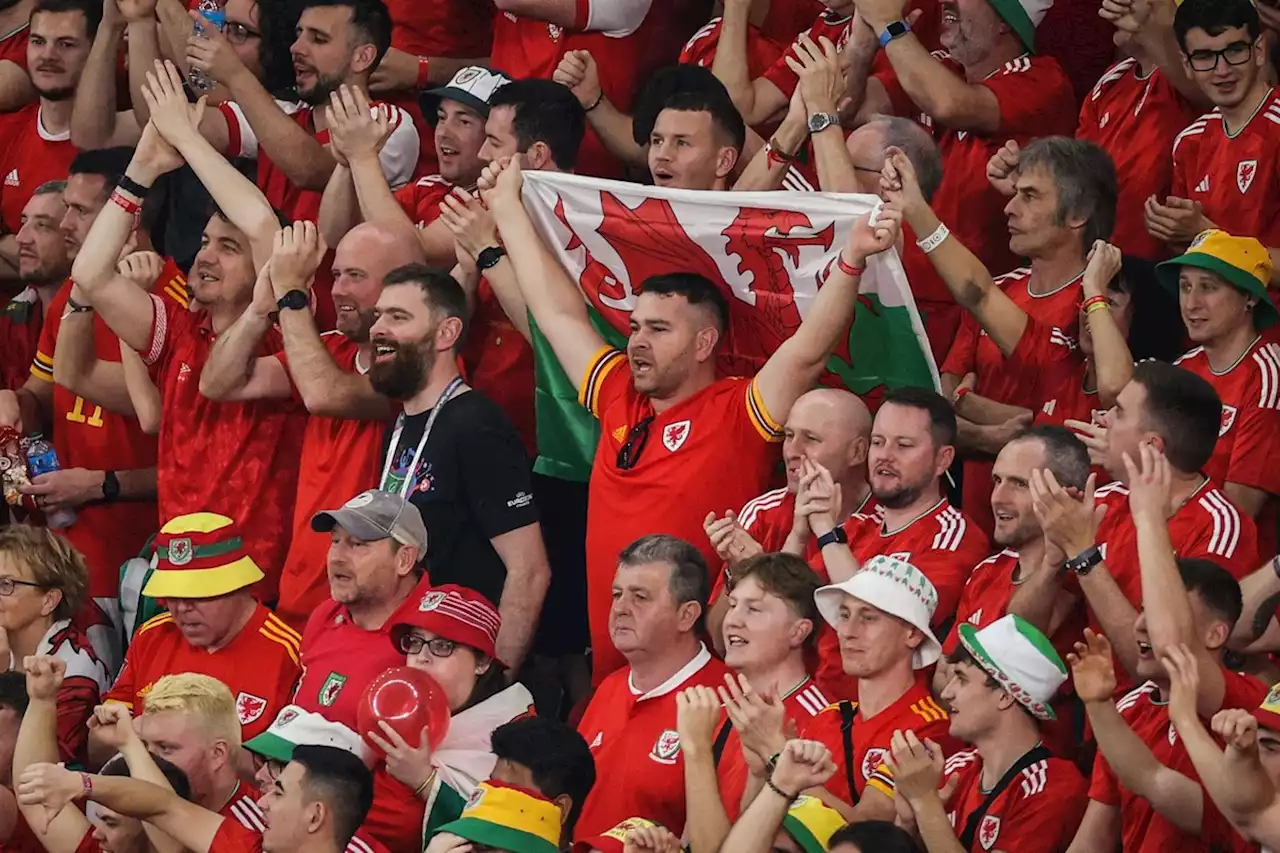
(326, 372)
(828, 427)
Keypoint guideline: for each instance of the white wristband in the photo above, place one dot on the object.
(934, 240)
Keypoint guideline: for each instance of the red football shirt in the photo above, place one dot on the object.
(975, 352)
(916, 710)
(499, 362)
(1135, 119)
(1038, 812)
(21, 322)
(237, 459)
(634, 735)
(88, 436)
(259, 665)
(13, 45)
(234, 837)
(525, 46)
(33, 155)
(242, 806)
(762, 51)
(339, 460)
(942, 543)
(801, 705)
(1142, 829)
(459, 29)
(421, 199)
(1235, 178)
(1054, 359)
(714, 449)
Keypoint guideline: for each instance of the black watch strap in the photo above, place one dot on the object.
(132, 187)
(489, 257)
(1084, 563)
(833, 536)
(110, 486)
(294, 299)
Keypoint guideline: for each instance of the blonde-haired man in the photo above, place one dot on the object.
(190, 720)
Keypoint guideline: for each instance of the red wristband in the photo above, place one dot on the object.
(127, 204)
(1092, 301)
(424, 66)
(87, 781)
(847, 268)
(960, 392)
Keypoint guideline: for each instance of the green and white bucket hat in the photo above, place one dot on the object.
(1016, 654)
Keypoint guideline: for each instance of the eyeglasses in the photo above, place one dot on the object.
(238, 33)
(8, 585)
(629, 454)
(439, 647)
(1236, 53)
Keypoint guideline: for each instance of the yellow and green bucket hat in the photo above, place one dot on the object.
(811, 823)
(1242, 262)
(509, 818)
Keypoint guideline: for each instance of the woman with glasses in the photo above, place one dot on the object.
(43, 593)
(450, 635)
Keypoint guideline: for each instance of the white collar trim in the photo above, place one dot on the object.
(701, 659)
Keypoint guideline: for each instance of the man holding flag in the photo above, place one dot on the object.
(677, 440)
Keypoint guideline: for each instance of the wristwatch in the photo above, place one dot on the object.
(832, 536)
(110, 486)
(819, 122)
(295, 299)
(895, 30)
(489, 257)
(1085, 561)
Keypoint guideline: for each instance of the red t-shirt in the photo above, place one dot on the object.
(237, 459)
(339, 460)
(1135, 119)
(975, 352)
(715, 449)
(32, 155)
(634, 735)
(801, 705)
(525, 46)
(1142, 829)
(88, 436)
(259, 665)
(916, 710)
(942, 543)
(1038, 812)
(21, 322)
(1235, 178)
(1250, 393)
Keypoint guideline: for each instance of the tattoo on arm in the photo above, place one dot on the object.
(1263, 615)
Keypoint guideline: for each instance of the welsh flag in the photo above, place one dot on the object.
(769, 251)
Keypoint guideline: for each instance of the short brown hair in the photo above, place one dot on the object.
(53, 562)
(789, 578)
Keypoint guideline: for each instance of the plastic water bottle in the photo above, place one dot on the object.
(43, 459)
(212, 9)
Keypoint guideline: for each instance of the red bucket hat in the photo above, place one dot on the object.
(454, 613)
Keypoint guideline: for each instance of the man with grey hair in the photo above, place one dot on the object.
(42, 266)
(659, 603)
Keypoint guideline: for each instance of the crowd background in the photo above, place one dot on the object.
(275, 353)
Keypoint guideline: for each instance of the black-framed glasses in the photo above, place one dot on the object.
(1236, 53)
(238, 33)
(637, 438)
(8, 585)
(439, 647)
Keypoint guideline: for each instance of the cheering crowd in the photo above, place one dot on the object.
(278, 359)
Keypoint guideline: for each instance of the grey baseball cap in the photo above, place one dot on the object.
(375, 515)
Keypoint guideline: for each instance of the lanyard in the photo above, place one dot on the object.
(393, 448)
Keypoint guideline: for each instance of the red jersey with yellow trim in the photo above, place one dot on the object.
(801, 705)
(916, 710)
(525, 46)
(997, 378)
(21, 323)
(259, 665)
(88, 436)
(1035, 99)
(1142, 829)
(499, 362)
(32, 155)
(1135, 119)
(634, 735)
(237, 459)
(1038, 812)
(1235, 177)
(339, 457)
(941, 542)
(715, 449)
(421, 199)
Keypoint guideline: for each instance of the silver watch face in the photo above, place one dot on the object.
(820, 121)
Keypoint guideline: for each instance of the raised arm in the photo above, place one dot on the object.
(1170, 619)
(76, 366)
(1257, 628)
(53, 788)
(93, 113)
(1112, 360)
(37, 742)
(578, 72)
(358, 134)
(16, 90)
(802, 765)
(553, 298)
(325, 388)
(822, 86)
(770, 165)
(142, 391)
(757, 100)
(474, 231)
(797, 363)
(234, 370)
(236, 196)
(968, 280)
(698, 719)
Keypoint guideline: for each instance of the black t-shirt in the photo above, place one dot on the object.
(471, 484)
